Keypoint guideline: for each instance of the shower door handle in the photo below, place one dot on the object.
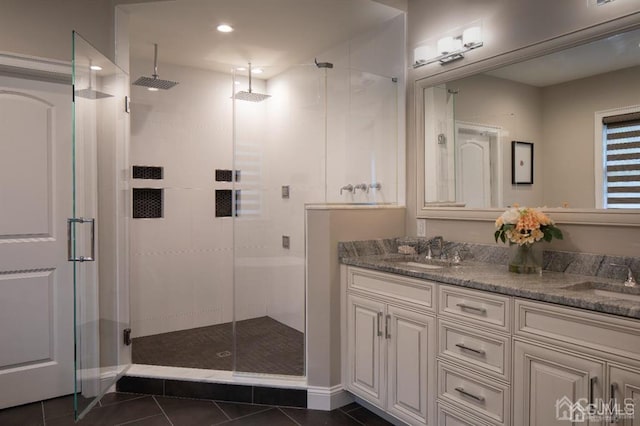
(71, 234)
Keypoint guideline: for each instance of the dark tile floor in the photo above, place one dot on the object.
(146, 410)
(263, 345)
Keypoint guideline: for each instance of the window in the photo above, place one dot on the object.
(621, 161)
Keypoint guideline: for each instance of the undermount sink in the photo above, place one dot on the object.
(612, 291)
(424, 265)
(419, 265)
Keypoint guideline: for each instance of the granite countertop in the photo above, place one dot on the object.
(584, 292)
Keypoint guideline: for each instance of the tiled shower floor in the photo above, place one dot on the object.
(264, 346)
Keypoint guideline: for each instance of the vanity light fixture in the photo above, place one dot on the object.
(449, 48)
(95, 67)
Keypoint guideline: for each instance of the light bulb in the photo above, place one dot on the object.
(95, 68)
(445, 45)
(472, 36)
(224, 28)
(152, 89)
(422, 53)
(257, 71)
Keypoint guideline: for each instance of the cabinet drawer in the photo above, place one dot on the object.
(479, 395)
(407, 290)
(478, 307)
(449, 416)
(487, 352)
(571, 327)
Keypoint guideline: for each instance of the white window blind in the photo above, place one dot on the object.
(622, 161)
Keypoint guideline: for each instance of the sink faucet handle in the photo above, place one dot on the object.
(429, 253)
(630, 281)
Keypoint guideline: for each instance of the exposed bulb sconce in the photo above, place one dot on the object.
(449, 48)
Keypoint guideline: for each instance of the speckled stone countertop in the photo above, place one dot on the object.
(575, 290)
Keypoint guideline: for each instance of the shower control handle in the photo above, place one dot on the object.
(348, 188)
(362, 186)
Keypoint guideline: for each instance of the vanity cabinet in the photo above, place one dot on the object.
(547, 381)
(624, 389)
(390, 345)
(563, 355)
(474, 355)
(427, 352)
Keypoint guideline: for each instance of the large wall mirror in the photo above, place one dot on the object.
(560, 131)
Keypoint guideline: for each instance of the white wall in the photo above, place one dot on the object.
(509, 26)
(516, 109)
(568, 116)
(43, 28)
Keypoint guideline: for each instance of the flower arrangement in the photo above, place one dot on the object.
(525, 225)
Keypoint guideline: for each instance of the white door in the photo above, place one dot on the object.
(365, 348)
(411, 367)
(473, 170)
(36, 280)
(548, 383)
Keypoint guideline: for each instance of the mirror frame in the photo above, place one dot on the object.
(601, 217)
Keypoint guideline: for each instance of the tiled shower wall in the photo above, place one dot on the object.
(181, 274)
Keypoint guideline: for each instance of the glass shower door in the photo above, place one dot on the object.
(98, 238)
(279, 157)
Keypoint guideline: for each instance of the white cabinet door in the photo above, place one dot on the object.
(365, 348)
(410, 366)
(548, 383)
(624, 388)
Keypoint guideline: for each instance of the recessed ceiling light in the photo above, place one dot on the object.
(152, 89)
(95, 68)
(241, 69)
(224, 28)
(257, 70)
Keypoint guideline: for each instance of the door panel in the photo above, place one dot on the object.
(624, 390)
(36, 281)
(365, 348)
(548, 382)
(99, 227)
(473, 170)
(410, 370)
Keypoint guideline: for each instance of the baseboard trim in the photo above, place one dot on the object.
(327, 398)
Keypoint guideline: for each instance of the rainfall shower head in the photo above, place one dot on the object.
(154, 82)
(250, 96)
(323, 64)
(90, 93)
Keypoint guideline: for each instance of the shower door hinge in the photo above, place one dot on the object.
(127, 106)
(127, 336)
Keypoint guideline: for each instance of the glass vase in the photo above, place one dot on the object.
(525, 259)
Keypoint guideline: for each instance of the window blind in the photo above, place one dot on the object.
(622, 160)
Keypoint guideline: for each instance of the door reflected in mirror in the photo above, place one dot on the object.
(560, 103)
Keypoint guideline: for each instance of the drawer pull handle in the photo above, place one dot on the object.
(387, 327)
(379, 324)
(467, 348)
(470, 395)
(471, 308)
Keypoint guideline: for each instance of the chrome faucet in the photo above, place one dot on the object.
(348, 188)
(441, 253)
(630, 281)
(362, 186)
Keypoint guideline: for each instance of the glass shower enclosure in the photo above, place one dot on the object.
(98, 237)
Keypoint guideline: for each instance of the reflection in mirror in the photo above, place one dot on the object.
(567, 104)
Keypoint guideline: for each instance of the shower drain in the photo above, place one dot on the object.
(223, 354)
